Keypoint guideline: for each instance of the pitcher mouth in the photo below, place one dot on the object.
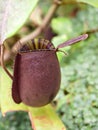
(43, 50)
(37, 50)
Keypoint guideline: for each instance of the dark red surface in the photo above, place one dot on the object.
(15, 89)
(36, 78)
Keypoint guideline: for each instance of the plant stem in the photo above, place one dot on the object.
(40, 28)
(2, 62)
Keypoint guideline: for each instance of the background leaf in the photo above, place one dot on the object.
(13, 14)
(91, 2)
(45, 118)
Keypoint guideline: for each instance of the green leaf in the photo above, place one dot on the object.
(72, 27)
(6, 101)
(45, 118)
(41, 118)
(91, 2)
(62, 24)
(13, 14)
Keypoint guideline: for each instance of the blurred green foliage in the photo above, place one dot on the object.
(15, 121)
(79, 108)
(77, 100)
